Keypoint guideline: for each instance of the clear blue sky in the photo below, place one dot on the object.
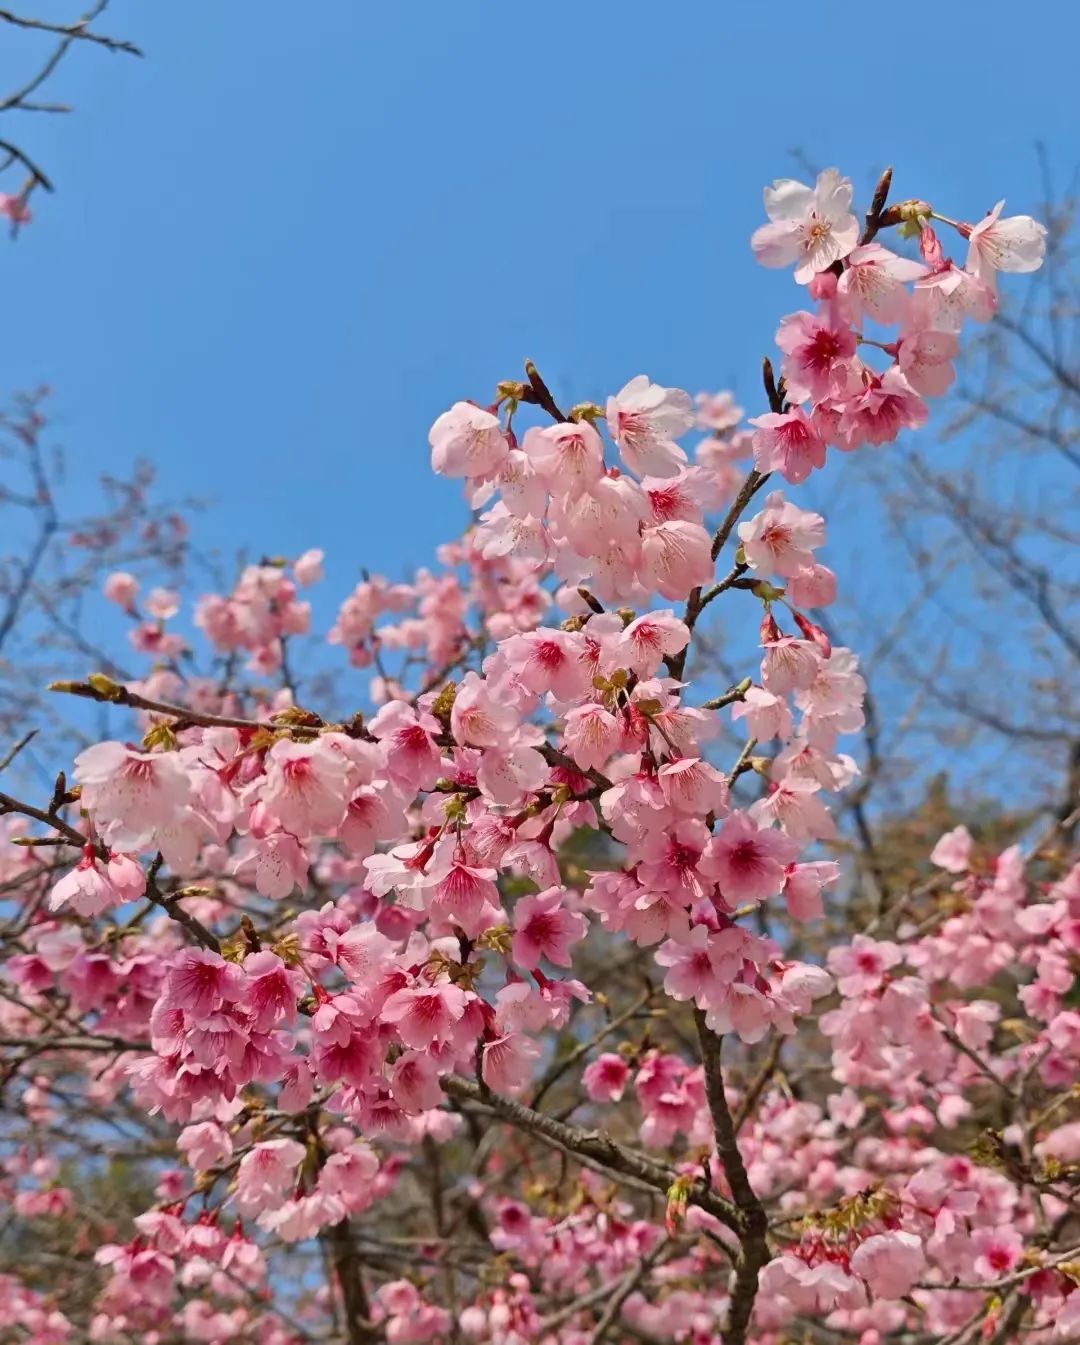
(289, 237)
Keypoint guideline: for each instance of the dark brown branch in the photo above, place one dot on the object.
(8, 804)
(16, 155)
(737, 693)
(541, 394)
(348, 1269)
(747, 491)
(88, 1043)
(593, 1145)
(18, 747)
(560, 1065)
(877, 205)
(170, 905)
(773, 390)
(112, 693)
(752, 1225)
(175, 911)
(742, 762)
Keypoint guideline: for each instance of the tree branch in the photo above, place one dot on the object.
(752, 1222)
(590, 1144)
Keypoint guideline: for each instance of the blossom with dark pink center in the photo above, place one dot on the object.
(545, 928)
(748, 862)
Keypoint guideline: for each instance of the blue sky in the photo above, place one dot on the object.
(291, 236)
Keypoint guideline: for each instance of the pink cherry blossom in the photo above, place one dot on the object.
(545, 929)
(606, 1078)
(205, 1145)
(93, 886)
(1016, 243)
(818, 356)
(748, 862)
(862, 966)
(275, 863)
(547, 660)
(308, 568)
(569, 457)
(122, 589)
(467, 441)
(423, 1014)
(265, 1173)
(675, 558)
(717, 411)
(133, 796)
(507, 1062)
(997, 1251)
(787, 443)
(645, 419)
(953, 850)
(651, 638)
(304, 785)
(890, 1263)
(202, 981)
(15, 209)
(782, 538)
(812, 226)
(874, 282)
(443, 945)
(413, 758)
(591, 734)
(926, 357)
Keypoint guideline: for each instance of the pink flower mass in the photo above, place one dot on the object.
(536, 1003)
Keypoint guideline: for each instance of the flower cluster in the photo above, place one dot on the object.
(861, 287)
(328, 953)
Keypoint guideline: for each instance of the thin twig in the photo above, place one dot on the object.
(77, 32)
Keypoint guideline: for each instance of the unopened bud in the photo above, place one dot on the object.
(823, 286)
(767, 592)
(105, 686)
(296, 716)
(678, 1197)
(814, 632)
(587, 411)
(914, 209)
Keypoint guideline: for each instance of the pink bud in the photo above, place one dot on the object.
(823, 286)
(930, 247)
(815, 633)
(121, 589)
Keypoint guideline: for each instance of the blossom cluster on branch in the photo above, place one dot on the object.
(314, 975)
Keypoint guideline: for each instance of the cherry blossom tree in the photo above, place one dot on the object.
(482, 1013)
